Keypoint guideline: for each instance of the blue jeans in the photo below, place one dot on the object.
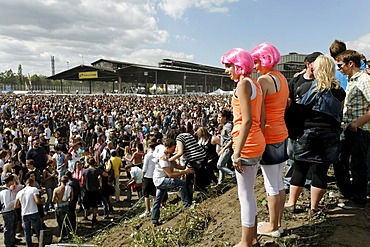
(10, 227)
(168, 183)
(49, 193)
(107, 205)
(222, 165)
(27, 221)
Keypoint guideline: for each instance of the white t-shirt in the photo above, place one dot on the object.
(25, 197)
(47, 132)
(7, 199)
(159, 174)
(149, 165)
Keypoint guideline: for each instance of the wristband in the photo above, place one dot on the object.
(235, 160)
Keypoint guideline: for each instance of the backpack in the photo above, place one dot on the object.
(110, 171)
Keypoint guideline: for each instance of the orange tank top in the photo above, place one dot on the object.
(275, 104)
(255, 143)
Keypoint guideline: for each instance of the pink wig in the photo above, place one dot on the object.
(267, 54)
(241, 59)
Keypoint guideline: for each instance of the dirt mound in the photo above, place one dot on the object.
(216, 222)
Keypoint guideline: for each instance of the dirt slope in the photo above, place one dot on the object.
(337, 227)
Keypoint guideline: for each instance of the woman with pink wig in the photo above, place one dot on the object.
(248, 140)
(275, 95)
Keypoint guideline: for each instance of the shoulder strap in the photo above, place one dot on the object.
(276, 88)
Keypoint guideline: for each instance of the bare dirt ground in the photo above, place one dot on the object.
(336, 227)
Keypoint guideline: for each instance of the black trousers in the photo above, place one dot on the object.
(353, 158)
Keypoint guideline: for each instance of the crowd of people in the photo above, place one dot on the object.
(67, 153)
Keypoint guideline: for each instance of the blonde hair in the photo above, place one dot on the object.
(203, 133)
(128, 150)
(324, 72)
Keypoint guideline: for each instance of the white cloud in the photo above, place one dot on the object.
(176, 9)
(361, 45)
(32, 31)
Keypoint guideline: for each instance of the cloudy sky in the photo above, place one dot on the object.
(146, 31)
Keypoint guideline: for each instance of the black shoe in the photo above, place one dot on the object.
(45, 227)
(17, 240)
(155, 224)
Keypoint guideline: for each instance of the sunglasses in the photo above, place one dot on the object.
(340, 65)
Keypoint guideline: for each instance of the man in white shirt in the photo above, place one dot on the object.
(7, 199)
(148, 185)
(27, 199)
(47, 132)
(164, 178)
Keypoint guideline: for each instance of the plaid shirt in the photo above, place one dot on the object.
(357, 101)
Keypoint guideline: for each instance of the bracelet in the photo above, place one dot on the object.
(235, 160)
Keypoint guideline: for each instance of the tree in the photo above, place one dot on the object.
(20, 75)
(8, 77)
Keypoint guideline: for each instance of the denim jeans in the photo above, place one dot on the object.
(224, 158)
(27, 221)
(168, 183)
(61, 215)
(10, 227)
(107, 205)
(49, 193)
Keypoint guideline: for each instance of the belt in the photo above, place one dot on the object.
(11, 211)
(64, 204)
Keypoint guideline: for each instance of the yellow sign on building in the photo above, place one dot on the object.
(88, 75)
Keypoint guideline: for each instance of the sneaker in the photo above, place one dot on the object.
(290, 209)
(350, 205)
(144, 215)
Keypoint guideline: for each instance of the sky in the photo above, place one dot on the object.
(147, 31)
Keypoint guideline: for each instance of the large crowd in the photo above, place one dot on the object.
(67, 153)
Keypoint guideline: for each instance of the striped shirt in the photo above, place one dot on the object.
(192, 151)
(357, 101)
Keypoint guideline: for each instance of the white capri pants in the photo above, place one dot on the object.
(273, 178)
(248, 205)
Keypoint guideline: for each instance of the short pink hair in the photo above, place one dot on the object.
(241, 59)
(267, 54)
